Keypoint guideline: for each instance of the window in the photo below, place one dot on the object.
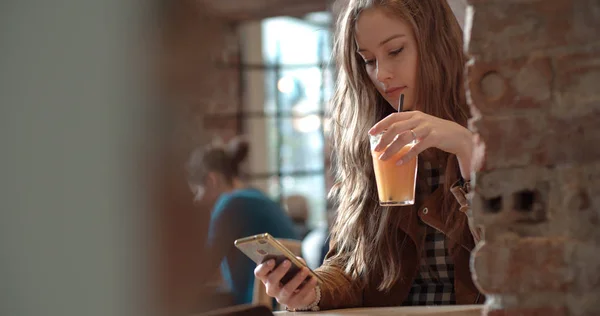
(287, 82)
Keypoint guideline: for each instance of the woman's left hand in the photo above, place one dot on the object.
(429, 131)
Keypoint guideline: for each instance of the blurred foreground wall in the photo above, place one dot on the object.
(533, 82)
(75, 104)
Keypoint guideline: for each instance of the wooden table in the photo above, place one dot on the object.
(461, 310)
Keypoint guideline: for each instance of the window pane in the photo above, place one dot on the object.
(299, 91)
(263, 155)
(309, 44)
(329, 87)
(302, 144)
(298, 85)
(270, 84)
(306, 95)
(313, 189)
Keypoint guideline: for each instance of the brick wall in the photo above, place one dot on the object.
(196, 45)
(533, 84)
(193, 85)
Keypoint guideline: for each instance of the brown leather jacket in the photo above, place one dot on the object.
(457, 232)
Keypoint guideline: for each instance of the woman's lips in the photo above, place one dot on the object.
(394, 92)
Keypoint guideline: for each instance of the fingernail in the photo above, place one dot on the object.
(286, 263)
(270, 263)
(400, 162)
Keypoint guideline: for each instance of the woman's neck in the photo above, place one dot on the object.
(237, 184)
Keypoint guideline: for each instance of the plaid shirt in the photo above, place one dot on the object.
(434, 284)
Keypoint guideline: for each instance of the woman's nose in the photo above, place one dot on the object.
(383, 72)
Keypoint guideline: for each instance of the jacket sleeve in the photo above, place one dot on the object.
(338, 290)
(461, 192)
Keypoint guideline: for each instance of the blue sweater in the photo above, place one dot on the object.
(243, 213)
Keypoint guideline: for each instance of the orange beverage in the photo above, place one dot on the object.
(395, 184)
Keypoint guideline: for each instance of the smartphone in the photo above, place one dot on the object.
(263, 247)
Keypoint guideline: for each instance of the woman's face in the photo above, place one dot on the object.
(388, 49)
(210, 190)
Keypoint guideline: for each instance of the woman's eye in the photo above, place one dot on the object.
(396, 52)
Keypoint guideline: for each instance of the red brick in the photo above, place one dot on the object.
(586, 266)
(576, 196)
(584, 303)
(510, 141)
(527, 83)
(538, 139)
(538, 311)
(577, 77)
(511, 29)
(568, 141)
(523, 266)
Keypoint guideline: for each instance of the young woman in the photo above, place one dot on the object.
(239, 211)
(386, 256)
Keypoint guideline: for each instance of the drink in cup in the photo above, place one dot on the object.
(395, 184)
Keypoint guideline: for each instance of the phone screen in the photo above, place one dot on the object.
(279, 260)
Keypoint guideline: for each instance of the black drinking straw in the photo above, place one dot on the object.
(401, 103)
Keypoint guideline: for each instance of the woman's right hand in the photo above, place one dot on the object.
(292, 294)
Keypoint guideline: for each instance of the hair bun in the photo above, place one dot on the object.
(238, 149)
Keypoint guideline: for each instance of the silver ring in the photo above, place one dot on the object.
(414, 135)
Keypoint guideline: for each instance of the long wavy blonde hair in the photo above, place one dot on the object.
(364, 234)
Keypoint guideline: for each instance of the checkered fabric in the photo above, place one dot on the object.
(434, 284)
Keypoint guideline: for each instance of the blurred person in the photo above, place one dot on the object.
(239, 211)
(393, 256)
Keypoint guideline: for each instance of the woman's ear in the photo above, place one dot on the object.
(212, 180)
